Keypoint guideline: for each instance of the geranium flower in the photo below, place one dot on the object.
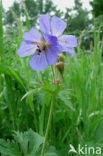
(45, 47)
(56, 27)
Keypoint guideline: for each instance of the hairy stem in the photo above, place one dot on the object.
(49, 124)
(50, 115)
(54, 77)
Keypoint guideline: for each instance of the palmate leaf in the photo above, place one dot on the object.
(29, 142)
(26, 144)
(64, 97)
(8, 148)
(40, 88)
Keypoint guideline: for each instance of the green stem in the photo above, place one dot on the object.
(53, 73)
(48, 125)
(50, 116)
(53, 76)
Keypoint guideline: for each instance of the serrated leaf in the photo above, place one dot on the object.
(27, 144)
(8, 148)
(29, 141)
(65, 99)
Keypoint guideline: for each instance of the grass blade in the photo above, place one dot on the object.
(1, 30)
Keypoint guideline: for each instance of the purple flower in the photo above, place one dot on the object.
(56, 27)
(45, 48)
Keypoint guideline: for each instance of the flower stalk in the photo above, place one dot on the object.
(53, 73)
(50, 115)
(49, 124)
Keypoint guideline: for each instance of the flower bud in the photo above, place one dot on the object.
(60, 67)
(60, 58)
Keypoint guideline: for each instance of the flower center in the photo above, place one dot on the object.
(42, 47)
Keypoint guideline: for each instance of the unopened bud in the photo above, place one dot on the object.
(60, 67)
(60, 58)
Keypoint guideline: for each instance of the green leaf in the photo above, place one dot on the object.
(29, 141)
(13, 74)
(64, 97)
(8, 148)
(27, 144)
(27, 19)
(31, 92)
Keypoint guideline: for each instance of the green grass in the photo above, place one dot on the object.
(1, 31)
(25, 97)
(78, 110)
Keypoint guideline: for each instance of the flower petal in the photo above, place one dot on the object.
(38, 62)
(69, 51)
(57, 26)
(52, 40)
(33, 35)
(45, 23)
(52, 49)
(26, 49)
(68, 41)
(52, 53)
